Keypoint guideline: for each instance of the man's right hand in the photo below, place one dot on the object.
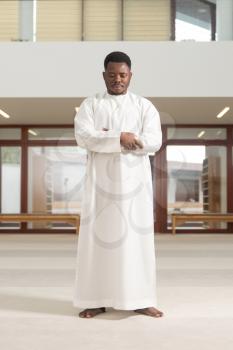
(129, 141)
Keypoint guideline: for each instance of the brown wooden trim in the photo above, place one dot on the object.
(197, 142)
(24, 175)
(60, 126)
(161, 187)
(214, 126)
(10, 143)
(36, 231)
(229, 160)
(73, 231)
(56, 126)
(13, 143)
(164, 190)
(179, 219)
(164, 186)
(0, 179)
(59, 143)
(157, 197)
(200, 231)
(153, 173)
(31, 217)
(229, 170)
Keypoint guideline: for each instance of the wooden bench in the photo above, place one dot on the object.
(178, 218)
(26, 217)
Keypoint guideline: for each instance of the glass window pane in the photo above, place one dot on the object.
(10, 183)
(193, 20)
(55, 181)
(196, 133)
(51, 134)
(10, 134)
(197, 182)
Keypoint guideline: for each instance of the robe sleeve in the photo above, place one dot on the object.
(91, 139)
(151, 135)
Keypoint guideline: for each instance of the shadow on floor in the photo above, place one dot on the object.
(33, 304)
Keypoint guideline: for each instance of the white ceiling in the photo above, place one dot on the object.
(173, 110)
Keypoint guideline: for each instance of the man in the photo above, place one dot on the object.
(116, 257)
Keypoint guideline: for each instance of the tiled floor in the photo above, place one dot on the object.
(195, 291)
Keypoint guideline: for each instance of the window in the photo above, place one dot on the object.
(50, 133)
(10, 134)
(10, 176)
(55, 181)
(201, 133)
(41, 170)
(88, 20)
(195, 20)
(196, 182)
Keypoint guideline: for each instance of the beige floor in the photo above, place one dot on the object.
(195, 291)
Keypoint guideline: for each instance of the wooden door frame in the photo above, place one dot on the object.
(162, 180)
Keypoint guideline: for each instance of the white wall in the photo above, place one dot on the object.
(73, 69)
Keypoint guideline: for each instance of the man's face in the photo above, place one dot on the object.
(117, 78)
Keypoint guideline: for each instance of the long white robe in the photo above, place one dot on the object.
(116, 254)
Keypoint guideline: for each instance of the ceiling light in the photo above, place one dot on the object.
(32, 132)
(201, 10)
(224, 111)
(4, 114)
(201, 133)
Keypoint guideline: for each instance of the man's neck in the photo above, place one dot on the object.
(111, 93)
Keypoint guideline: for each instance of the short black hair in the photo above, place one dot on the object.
(117, 56)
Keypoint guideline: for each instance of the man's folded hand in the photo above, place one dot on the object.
(130, 141)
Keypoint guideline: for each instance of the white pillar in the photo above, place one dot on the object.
(26, 20)
(224, 15)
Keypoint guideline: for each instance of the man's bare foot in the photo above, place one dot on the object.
(88, 313)
(150, 311)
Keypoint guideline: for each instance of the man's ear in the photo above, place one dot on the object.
(104, 75)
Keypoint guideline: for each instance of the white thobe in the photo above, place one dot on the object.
(116, 253)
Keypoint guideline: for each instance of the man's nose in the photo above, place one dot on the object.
(117, 78)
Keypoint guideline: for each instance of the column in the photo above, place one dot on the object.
(224, 15)
(26, 20)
